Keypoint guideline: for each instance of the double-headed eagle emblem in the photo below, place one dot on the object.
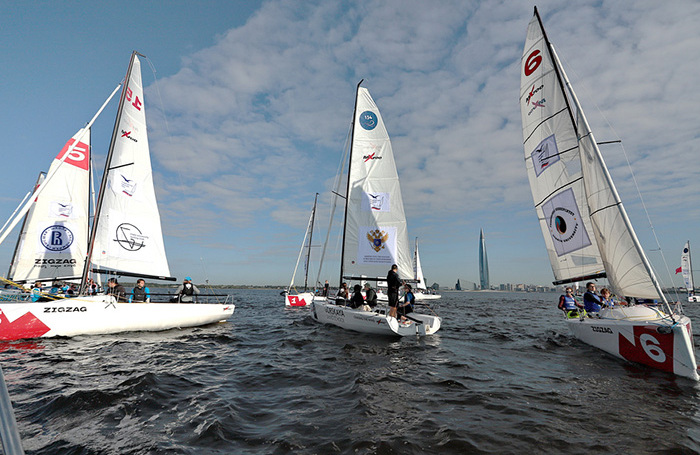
(378, 239)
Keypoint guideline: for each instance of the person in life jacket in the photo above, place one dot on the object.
(116, 289)
(591, 301)
(186, 291)
(408, 301)
(608, 301)
(569, 305)
(140, 293)
(370, 296)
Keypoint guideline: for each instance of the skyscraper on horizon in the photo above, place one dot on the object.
(483, 263)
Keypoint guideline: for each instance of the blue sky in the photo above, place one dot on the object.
(250, 105)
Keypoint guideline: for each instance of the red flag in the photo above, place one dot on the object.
(679, 270)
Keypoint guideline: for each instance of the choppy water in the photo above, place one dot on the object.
(503, 375)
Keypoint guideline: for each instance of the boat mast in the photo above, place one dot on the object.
(347, 191)
(563, 79)
(691, 290)
(308, 252)
(105, 175)
(415, 261)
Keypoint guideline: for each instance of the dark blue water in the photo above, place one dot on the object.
(502, 376)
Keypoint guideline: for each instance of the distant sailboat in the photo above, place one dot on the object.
(302, 298)
(374, 232)
(421, 292)
(584, 224)
(687, 270)
(458, 287)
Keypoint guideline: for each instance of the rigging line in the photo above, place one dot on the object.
(165, 118)
(556, 190)
(629, 167)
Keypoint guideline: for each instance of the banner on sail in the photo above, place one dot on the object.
(377, 245)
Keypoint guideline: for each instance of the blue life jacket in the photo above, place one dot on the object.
(569, 303)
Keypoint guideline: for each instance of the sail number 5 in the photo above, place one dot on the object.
(533, 62)
(652, 348)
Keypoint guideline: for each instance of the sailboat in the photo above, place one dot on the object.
(125, 239)
(687, 270)
(421, 292)
(302, 298)
(584, 224)
(375, 235)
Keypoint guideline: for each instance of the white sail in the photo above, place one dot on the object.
(129, 236)
(54, 238)
(418, 270)
(375, 224)
(583, 222)
(686, 268)
(553, 165)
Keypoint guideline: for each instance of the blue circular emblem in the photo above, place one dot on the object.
(368, 120)
(56, 238)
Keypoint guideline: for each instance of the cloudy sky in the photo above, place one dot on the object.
(250, 104)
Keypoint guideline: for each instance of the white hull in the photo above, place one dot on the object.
(382, 297)
(420, 296)
(643, 335)
(100, 315)
(373, 322)
(298, 300)
(693, 298)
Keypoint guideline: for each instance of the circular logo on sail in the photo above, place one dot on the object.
(129, 237)
(563, 224)
(56, 238)
(685, 250)
(368, 120)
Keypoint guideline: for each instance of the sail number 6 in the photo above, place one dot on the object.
(533, 62)
(651, 347)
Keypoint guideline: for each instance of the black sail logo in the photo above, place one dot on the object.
(129, 237)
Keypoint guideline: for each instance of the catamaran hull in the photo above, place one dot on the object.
(101, 315)
(298, 300)
(372, 322)
(655, 342)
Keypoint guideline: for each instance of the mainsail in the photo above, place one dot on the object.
(375, 233)
(585, 226)
(128, 235)
(686, 268)
(54, 237)
(418, 270)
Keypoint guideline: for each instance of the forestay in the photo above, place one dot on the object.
(53, 241)
(583, 222)
(129, 236)
(375, 225)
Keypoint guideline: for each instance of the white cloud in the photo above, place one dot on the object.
(258, 120)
